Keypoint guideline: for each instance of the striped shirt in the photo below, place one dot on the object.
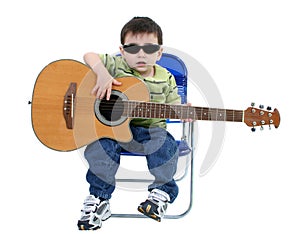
(162, 86)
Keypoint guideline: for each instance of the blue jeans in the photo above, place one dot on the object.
(159, 147)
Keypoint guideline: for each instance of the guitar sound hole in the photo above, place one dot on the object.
(111, 109)
(110, 112)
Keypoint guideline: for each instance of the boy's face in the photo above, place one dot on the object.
(141, 61)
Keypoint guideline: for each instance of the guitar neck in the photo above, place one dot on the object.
(135, 109)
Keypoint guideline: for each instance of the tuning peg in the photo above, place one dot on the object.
(269, 108)
(261, 106)
(261, 128)
(253, 129)
(253, 109)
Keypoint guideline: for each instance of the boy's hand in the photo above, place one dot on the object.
(103, 87)
(104, 82)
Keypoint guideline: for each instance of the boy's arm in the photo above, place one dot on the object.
(104, 81)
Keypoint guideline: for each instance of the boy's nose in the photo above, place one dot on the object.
(141, 52)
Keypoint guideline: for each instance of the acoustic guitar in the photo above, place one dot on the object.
(66, 116)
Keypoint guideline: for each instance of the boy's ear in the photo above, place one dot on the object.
(160, 52)
(121, 50)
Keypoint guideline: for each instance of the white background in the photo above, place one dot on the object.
(252, 51)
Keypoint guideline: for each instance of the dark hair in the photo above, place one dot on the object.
(141, 25)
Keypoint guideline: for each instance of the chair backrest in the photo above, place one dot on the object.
(177, 67)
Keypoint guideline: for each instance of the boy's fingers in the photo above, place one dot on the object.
(115, 82)
(108, 93)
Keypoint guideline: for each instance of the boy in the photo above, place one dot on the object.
(141, 40)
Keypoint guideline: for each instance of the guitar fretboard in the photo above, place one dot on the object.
(135, 109)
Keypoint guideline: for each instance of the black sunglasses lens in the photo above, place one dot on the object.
(131, 49)
(148, 49)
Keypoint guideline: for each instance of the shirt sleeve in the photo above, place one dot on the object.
(110, 63)
(116, 65)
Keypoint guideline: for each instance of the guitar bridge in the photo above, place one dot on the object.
(68, 107)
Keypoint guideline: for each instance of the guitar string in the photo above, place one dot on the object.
(146, 106)
(205, 112)
(152, 105)
(197, 116)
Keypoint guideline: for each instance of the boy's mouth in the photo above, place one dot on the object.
(141, 64)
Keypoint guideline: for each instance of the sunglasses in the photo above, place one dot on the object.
(148, 48)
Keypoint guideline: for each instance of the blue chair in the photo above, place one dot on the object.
(185, 142)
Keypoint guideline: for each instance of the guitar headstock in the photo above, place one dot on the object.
(254, 117)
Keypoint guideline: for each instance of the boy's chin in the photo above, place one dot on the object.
(144, 68)
(144, 71)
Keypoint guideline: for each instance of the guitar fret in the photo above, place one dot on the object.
(214, 114)
(126, 109)
(141, 109)
(210, 111)
(194, 114)
(191, 113)
(163, 111)
(201, 113)
(181, 112)
(134, 110)
(177, 113)
(205, 114)
(148, 110)
(172, 112)
(228, 115)
(151, 111)
(231, 115)
(131, 109)
(221, 115)
(169, 112)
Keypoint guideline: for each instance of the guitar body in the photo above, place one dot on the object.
(81, 126)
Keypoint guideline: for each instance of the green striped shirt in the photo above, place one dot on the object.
(162, 86)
